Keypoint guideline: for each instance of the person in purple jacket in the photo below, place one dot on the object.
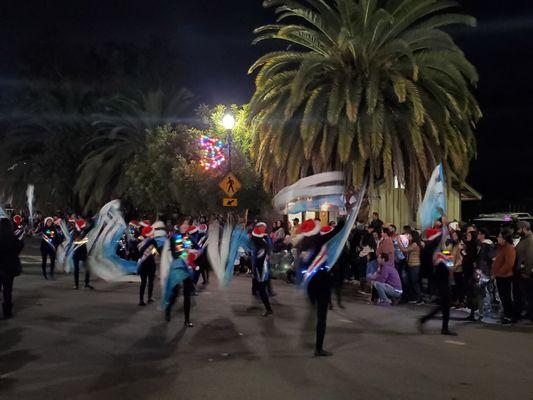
(386, 281)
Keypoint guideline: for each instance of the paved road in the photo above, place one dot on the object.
(66, 344)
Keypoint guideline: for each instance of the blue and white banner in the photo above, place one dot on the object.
(434, 203)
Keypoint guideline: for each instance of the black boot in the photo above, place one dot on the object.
(7, 310)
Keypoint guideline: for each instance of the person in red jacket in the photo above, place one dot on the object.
(502, 270)
(386, 245)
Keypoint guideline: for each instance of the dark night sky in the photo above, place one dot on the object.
(212, 40)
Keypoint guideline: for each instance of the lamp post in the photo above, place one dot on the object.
(228, 122)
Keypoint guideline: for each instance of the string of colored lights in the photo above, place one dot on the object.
(211, 152)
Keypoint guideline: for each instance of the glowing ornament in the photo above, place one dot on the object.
(211, 152)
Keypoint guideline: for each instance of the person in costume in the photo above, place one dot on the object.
(260, 274)
(202, 260)
(10, 267)
(18, 227)
(50, 239)
(79, 253)
(314, 271)
(146, 264)
(435, 255)
(198, 237)
(180, 275)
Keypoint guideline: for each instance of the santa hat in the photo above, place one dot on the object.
(259, 231)
(309, 227)
(432, 233)
(48, 219)
(326, 229)
(192, 229)
(145, 223)
(17, 219)
(147, 231)
(202, 228)
(261, 224)
(80, 224)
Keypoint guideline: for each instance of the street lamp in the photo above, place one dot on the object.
(228, 122)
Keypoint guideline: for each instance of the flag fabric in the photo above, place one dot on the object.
(434, 200)
(102, 245)
(239, 241)
(332, 249)
(173, 271)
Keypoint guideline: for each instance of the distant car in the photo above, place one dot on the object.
(495, 222)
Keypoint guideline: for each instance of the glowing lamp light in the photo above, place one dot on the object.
(228, 122)
(324, 207)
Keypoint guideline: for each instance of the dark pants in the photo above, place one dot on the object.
(413, 283)
(401, 266)
(526, 287)
(261, 289)
(77, 272)
(519, 302)
(459, 288)
(443, 290)
(147, 275)
(6, 284)
(188, 289)
(319, 290)
(505, 287)
(45, 253)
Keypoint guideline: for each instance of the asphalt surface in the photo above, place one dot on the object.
(67, 344)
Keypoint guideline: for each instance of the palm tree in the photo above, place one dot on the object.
(44, 144)
(364, 86)
(121, 132)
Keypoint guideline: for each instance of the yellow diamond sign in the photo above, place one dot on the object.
(230, 185)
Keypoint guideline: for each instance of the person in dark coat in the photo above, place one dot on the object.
(146, 264)
(319, 281)
(10, 267)
(50, 240)
(434, 255)
(79, 253)
(260, 254)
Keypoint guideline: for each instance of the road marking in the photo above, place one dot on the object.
(455, 342)
(346, 321)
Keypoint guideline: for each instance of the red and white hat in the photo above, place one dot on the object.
(261, 224)
(17, 219)
(80, 224)
(202, 228)
(147, 231)
(432, 233)
(309, 227)
(48, 219)
(326, 229)
(259, 231)
(145, 222)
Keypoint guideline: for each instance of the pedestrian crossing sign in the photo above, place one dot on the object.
(230, 185)
(229, 202)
